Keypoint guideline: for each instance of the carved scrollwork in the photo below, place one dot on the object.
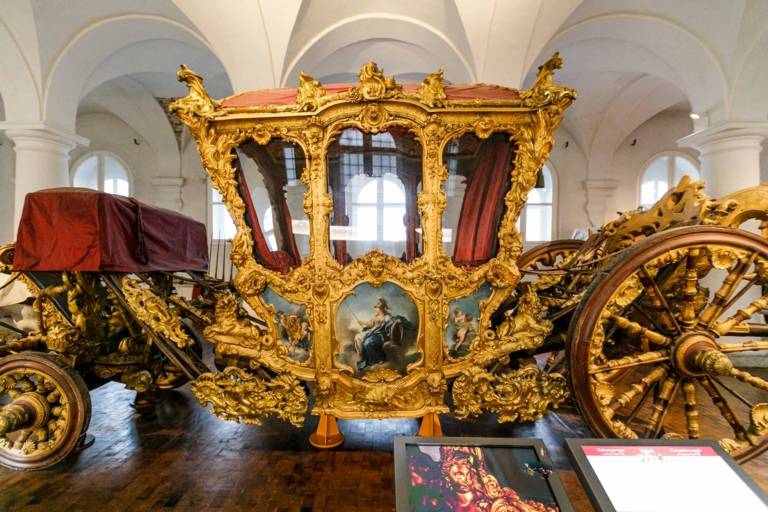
(374, 85)
(241, 396)
(545, 92)
(525, 394)
(309, 94)
(155, 312)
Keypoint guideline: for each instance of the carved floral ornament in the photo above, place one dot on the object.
(431, 281)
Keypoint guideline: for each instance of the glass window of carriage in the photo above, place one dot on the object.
(536, 221)
(662, 172)
(104, 172)
(268, 179)
(374, 179)
(478, 177)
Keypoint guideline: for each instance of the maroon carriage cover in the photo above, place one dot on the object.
(83, 230)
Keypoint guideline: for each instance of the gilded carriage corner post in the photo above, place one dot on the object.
(381, 332)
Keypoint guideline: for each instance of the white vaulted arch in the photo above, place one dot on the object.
(76, 68)
(395, 28)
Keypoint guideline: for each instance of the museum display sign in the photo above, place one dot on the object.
(656, 475)
(476, 474)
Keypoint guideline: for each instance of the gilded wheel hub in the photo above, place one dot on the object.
(696, 354)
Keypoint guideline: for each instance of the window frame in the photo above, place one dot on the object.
(671, 156)
(553, 227)
(214, 237)
(101, 155)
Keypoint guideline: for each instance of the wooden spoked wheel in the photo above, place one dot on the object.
(45, 410)
(548, 255)
(665, 329)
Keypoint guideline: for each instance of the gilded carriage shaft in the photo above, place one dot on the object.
(376, 239)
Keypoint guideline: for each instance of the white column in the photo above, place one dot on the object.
(599, 198)
(729, 155)
(42, 161)
(168, 192)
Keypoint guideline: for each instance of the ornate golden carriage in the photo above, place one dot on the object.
(380, 274)
(368, 233)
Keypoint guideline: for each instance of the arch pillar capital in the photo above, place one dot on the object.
(729, 155)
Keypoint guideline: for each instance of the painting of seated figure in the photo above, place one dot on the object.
(463, 318)
(293, 326)
(377, 328)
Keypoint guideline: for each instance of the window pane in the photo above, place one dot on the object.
(363, 190)
(270, 173)
(542, 195)
(223, 227)
(374, 180)
(122, 188)
(114, 169)
(538, 223)
(683, 167)
(654, 184)
(394, 226)
(475, 196)
(87, 174)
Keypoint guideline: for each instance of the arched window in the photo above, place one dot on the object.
(662, 172)
(222, 227)
(536, 219)
(104, 172)
(378, 202)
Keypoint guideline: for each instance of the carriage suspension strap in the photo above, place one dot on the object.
(189, 364)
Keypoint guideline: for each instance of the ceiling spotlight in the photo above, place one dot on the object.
(694, 115)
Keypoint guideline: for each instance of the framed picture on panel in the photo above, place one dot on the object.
(477, 474)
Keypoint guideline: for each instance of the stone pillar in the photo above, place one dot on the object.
(167, 192)
(42, 161)
(599, 196)
(729, 155)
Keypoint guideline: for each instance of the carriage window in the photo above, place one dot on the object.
(374, 179)
(104, 172)
(664, 172)
(478, 177)
(274, 196)
(535, 221)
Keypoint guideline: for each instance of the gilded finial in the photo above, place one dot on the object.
(374, 85)
(544, 90)
(431, 92)
(309, 93)
(197, 102)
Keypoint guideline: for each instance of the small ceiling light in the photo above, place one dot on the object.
(694, 115)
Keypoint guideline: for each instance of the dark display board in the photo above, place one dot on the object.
(654, 475)
(460, 473)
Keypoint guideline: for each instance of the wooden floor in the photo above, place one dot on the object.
(179, 457)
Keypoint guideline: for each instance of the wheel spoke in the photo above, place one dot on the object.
(726, 325)
(724, 408)
(659, 302)
(637, 329)
(661, 406)
(750, 379)
(744, 346)
(691, 409)
(647, 316)
(690, 291)
(630, 361)
(734, 393)
(721, 298)
(637, 388)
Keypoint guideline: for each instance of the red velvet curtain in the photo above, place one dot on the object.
(476, 234)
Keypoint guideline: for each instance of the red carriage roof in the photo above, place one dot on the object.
(78, 229)
(458, 92)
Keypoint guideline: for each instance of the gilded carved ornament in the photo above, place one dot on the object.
(431, 280)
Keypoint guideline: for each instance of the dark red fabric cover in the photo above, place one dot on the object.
(83, 230)
(288, 96)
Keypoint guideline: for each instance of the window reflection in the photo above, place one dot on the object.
(374, 179)
(269, 182)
